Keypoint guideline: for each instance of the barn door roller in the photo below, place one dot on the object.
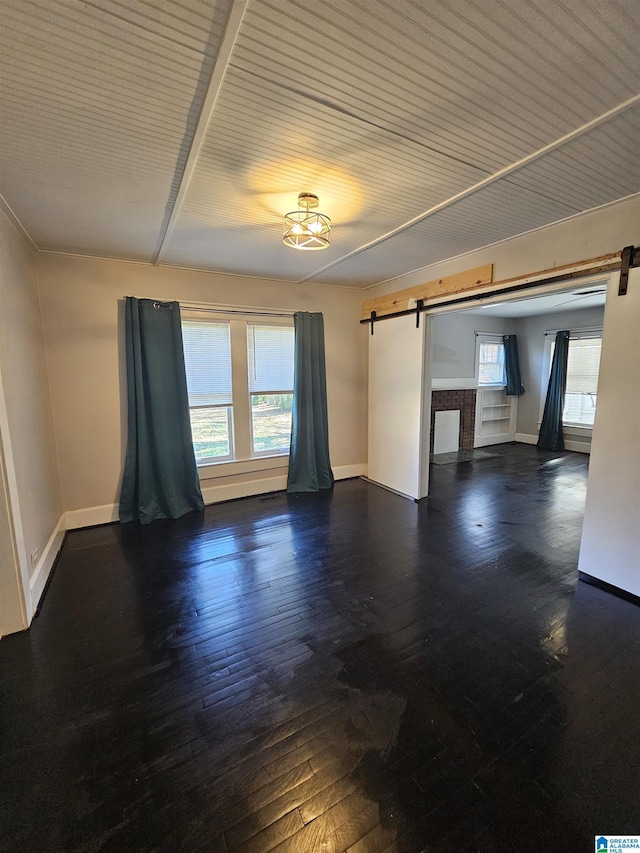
(627, 260)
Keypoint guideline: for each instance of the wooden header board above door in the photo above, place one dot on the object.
(405, 299)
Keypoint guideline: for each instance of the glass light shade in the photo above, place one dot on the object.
(304, 228)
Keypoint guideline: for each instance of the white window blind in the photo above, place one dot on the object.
(583, 366)
(207, 356)
(270, 352)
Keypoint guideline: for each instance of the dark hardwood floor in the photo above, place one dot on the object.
(343, 671)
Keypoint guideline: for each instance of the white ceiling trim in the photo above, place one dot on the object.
(231, 31)
(496, 176)
(7, 210)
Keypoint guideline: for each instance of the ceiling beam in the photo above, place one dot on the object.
(490, 179)
(221, 63)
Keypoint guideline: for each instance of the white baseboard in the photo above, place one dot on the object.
(38, 580)
(93, 515)
(494, 439)
(346, 472)
(569, 444)
(525, 438)
(231, 491)
(577, 446)
(389, 489)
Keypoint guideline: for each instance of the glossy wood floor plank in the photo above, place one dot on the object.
(338, 672)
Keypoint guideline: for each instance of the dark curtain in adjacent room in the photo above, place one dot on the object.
(309, 465)
(160, 475)
(551, 436)
(512, 366)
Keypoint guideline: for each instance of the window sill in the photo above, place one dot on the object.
(232, 467)
(574, 428)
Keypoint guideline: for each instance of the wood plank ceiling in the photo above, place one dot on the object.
(181, 132)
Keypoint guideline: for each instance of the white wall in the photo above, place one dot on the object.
(531, 345)
(454, 342)
(27, 425)
(610, 547)
(82, 302)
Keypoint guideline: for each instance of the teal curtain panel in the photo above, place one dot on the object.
(309, 465)
(160, 476)
(512, 366)
(551, 436)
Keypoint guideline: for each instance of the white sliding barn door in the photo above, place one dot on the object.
(610, 546)
(399, 405)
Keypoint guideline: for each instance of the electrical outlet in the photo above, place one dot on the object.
(34, 558)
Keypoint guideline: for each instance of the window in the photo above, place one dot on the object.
(581, 394)
(583, 365)
(491, 362)
(207, 356)
(240, 385)
(270, 354)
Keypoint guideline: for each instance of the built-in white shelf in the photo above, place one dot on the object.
(495, 417)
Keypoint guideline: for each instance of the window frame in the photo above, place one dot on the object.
(229, 457)
(242, 458)
(186, 317)
(259, 454)
(486, 338)
(549, 345)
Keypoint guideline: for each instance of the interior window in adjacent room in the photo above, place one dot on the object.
(490, 360)
(581, 394)
(583, 366)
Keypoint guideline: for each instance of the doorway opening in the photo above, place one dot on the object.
(470, 409)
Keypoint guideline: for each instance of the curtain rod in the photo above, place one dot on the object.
(577, 331)
(492, 334)
(244, 311)
(212, 309)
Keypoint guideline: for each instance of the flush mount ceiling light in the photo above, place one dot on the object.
(304, 229)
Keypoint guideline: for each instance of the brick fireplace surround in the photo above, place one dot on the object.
(465, 401)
